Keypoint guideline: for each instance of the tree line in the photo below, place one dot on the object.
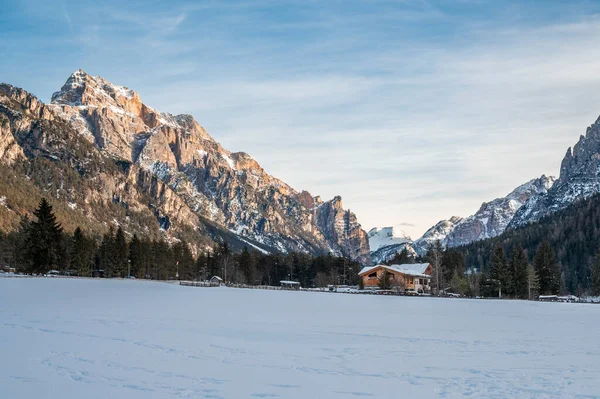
(40, 245)
(571, 239)
(503, 274)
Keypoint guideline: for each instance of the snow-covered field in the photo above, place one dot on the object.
(69, 338)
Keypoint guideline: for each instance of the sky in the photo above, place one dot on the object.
(412, 111)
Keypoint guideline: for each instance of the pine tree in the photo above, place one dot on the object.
(595, 288)
(499, 270)
(105, 258)
(547, 269)
(44, 240)
(246, 265)
(384, 281)
(121, 254)
(533, 283)
(81, 254)
(452, 262)
(401, 258)
(136, 257)
(518, 269)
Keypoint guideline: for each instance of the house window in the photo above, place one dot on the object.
(372, 275)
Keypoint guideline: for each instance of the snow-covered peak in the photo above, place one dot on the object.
(383, 236)
(532, 187)
(84, 89)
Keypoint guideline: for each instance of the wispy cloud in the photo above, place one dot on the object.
(413, 111)
(67, 17)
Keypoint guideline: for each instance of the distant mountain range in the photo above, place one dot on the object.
(106, 158)
(579, 179)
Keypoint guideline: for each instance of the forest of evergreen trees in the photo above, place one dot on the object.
(569, 242)
(560, 254)
(41, 245)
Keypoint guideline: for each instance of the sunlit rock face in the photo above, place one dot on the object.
(173, 158)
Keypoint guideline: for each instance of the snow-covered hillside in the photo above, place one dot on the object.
(385, 242)
(71, 339)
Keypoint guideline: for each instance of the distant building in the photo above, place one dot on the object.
(408, 277)
(215, 281)
(290, 285)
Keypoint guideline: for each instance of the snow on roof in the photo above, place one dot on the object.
(409, 269)
(289, 282)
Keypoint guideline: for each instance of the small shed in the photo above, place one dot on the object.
(215, 281)
(289, 285)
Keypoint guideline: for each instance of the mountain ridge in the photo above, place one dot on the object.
(178, 157)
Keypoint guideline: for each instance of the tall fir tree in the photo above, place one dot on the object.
(105, 258)
(518, 269)
(81, 253)
(547, 269)
(595, 285)
(44, 240)
(533, 283)
(136, 257)
(246, 265)
(120, 254)
(499, 272)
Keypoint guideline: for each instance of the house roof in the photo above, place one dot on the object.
(409, 269)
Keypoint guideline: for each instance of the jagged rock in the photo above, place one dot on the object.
(183, 170)
(490, 220)
(439, 232)
(579, 179)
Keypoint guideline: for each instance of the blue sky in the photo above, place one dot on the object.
(413, 111)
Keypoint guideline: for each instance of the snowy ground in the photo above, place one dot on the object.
(69, 338)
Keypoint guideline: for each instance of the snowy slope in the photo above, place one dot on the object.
(72, 339)
(385, 242)
(490, 220)
(579, 179)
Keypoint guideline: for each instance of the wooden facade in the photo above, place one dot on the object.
(408, 277)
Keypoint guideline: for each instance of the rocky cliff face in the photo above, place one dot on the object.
(579, 179)
(490, 220)
(172, 158)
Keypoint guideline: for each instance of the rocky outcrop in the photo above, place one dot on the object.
(579, 179)
(188, 176)
(439, 232)
(490, 220)
(342, 230)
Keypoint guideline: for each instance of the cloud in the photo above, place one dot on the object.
(67, 17)
(412, 111)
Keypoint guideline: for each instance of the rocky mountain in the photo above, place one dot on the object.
(490, 220)
(579, 179)
(440, 231)
(386, 242)
(132, 158)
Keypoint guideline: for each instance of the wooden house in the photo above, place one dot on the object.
(407, 277)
